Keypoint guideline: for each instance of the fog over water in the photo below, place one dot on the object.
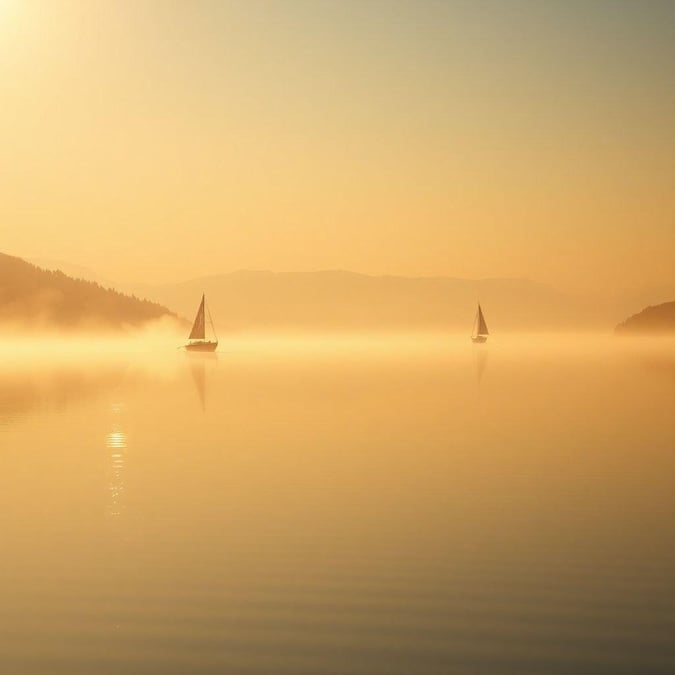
(354, 504)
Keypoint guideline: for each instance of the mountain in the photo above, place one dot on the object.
(31, 297)
(650, 321)
(338, 300)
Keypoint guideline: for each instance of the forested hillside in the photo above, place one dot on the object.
(651, 320)
(35, 298)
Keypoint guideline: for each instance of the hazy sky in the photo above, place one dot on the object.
(166, 140)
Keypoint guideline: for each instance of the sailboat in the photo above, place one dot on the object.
(480, 329)
(197, 339)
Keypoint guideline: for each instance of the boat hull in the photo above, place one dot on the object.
(204, 346)
(479, 339)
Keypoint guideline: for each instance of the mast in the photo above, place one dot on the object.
(213, 326)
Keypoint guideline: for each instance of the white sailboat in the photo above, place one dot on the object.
(197, 338)
(480, 330)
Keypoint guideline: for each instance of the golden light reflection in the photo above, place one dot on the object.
(116, 443)
(116, 439)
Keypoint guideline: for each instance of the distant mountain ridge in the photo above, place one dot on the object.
(337, 300)
(340, 300)
(651, 320)
(34, 298)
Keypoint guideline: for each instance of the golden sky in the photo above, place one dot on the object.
(159, 140)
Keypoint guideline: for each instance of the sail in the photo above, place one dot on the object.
(482, 328)
(198, 328)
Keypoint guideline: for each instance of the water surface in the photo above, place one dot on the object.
(410, 505)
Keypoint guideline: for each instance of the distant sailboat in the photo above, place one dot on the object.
(480, 329)
(197, 339)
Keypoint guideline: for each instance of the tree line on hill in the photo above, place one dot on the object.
(31, 297)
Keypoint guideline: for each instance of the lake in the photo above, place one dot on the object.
(336, 505)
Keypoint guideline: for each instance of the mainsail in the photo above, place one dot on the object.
(481, 327)
(198, 328)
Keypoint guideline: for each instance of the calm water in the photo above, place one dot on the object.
(383, 506)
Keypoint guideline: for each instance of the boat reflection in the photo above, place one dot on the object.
(480, 359)
(199, 363)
